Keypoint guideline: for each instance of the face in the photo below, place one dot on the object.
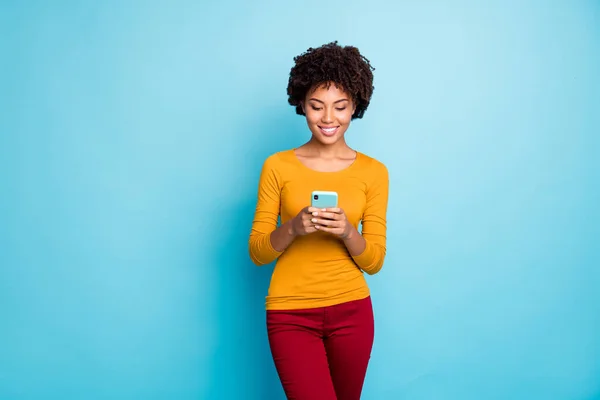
(328, 113)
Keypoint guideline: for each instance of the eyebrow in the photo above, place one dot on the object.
(337, 101)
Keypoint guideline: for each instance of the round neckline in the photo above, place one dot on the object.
(298, 161)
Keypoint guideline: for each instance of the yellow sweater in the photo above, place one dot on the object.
(317, 270)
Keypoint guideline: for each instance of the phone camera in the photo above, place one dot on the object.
(316, 197)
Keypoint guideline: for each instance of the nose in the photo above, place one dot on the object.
(327, 115)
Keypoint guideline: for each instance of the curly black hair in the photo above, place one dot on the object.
(332, 63)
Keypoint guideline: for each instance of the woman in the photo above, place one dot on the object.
(319, 314)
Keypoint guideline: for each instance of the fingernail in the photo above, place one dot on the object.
(313, 220)
(315, 213)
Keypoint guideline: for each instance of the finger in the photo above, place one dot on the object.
(309, 217)
(327, 229)
(324, 222)
(311, 210)
(329, 215)
(335, 210)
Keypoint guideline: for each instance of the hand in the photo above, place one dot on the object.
(301, 223)
(332, 220)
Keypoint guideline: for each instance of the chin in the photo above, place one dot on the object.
(328, 139)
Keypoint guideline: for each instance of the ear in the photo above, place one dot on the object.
(302, 105)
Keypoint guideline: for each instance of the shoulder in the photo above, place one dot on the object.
(272, 160)
(278, 160)
(374, 166)
(278, 164)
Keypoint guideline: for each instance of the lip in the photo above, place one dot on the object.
(329, 130)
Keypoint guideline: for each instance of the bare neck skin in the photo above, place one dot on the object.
(326, 158)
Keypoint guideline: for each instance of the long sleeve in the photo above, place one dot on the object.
(265, 216)
(374, 223)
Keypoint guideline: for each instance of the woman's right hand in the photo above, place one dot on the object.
(301, 223)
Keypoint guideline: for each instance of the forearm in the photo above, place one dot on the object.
(367, 256)
(354, 242)
(266, 247)
(283, 236)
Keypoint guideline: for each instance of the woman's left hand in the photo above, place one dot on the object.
(331, 220)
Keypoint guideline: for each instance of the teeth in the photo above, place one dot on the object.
(328, 130)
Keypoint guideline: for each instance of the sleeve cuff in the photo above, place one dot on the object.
(270, 251)
(366, 257)
(265, 253)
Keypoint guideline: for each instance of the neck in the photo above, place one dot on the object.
(338, 149)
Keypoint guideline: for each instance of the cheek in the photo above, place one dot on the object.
(312, 116)
(345, 117)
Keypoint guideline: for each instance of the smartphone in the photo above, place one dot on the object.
(324, 199)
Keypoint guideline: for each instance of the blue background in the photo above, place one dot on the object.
(132, 136)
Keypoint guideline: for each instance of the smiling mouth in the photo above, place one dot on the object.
(330, 131)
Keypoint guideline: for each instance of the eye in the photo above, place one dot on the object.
(315, 108)
(341, 109)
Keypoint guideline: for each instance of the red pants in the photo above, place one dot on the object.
(322, 353)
